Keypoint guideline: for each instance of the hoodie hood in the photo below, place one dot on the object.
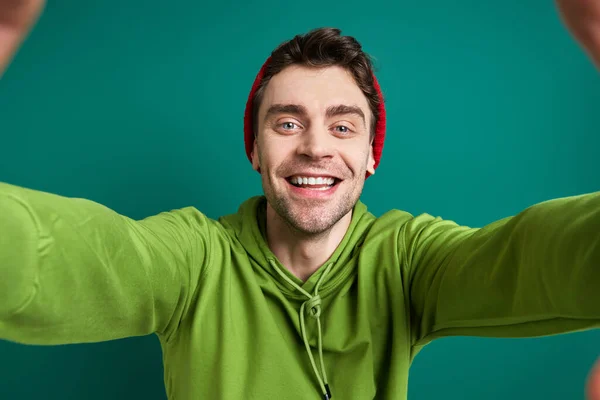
(249, 226)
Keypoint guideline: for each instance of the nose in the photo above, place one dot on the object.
(316, 143)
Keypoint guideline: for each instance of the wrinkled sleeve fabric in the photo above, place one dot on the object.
(74, 271)
(533, 274)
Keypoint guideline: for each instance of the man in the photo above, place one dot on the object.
(302, 293)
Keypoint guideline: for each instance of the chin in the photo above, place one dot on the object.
(312, 219)
(308, 215)
(312, 226)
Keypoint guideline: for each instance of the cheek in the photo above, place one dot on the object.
(356, 157)
(275, 152)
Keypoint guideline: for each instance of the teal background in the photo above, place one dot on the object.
(492, 107)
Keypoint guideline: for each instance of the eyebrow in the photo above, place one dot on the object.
(343, 109)
(332, 111)
(295, 109)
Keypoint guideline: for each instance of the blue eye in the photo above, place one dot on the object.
(342, 129)
(288, 125)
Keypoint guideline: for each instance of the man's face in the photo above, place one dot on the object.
(313, 147)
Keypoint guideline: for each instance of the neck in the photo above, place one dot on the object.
(301, 253)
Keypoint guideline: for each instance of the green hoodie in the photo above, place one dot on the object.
(228, 313)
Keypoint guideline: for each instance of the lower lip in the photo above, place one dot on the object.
(313, 193)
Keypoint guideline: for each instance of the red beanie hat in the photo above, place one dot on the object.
(249, 123)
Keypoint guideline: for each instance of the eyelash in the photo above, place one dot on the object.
(348, 130)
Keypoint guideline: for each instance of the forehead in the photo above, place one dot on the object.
(314, 88)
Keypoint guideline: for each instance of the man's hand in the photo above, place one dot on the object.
(16, 19)
(582, 18)
(593, 384)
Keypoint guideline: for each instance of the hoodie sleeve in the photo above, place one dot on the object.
(536, 273)
(74, 271)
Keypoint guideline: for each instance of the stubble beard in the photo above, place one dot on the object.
(309, 217)
(312, 217)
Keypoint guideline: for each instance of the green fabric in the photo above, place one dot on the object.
(73, 271)
(313, 307)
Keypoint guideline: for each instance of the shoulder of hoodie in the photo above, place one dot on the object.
(396, 219)
(401, 228)
(391, 222)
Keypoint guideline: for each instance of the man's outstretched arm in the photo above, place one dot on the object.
(75, 271)
(582, 18)
(16, 20)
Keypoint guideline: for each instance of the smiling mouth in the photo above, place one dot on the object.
(314, 183)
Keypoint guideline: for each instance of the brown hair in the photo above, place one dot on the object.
(323, 47)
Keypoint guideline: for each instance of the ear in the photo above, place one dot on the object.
(371, 162)
(254, 155)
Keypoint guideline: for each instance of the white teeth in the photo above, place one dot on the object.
(300, 180)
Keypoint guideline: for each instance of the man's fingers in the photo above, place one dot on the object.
(16, 19)
(20, 14)
(582, 19)
(593, 383)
